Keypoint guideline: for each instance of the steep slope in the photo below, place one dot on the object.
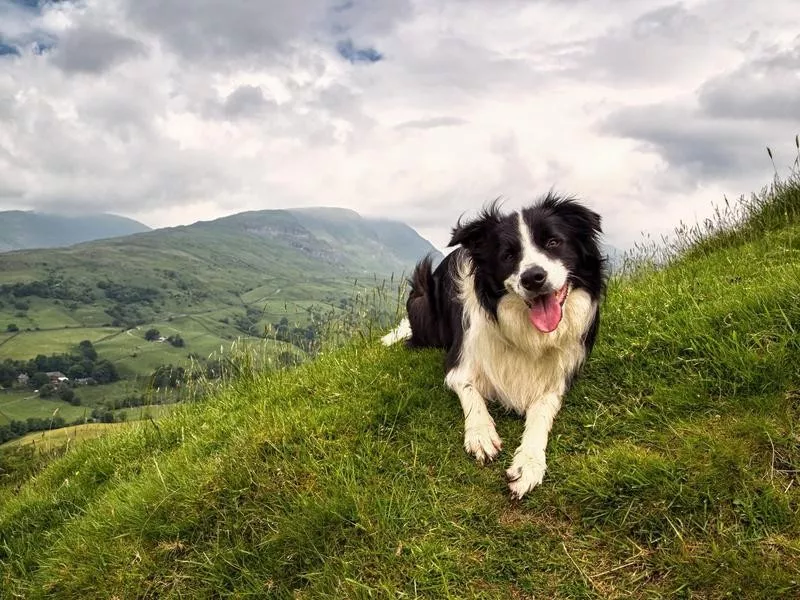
(672, 467)
(20, 230)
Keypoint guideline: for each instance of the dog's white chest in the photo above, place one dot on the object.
(514, 363)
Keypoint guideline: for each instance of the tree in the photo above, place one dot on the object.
(76, 372)
(8, 374)
(152, 334)
(105, 372)
(88, 366)
(167, 376)
(47, 390)
(87, 350)
(68, 395)
(39, 380)
(176, 340)
(12, 328)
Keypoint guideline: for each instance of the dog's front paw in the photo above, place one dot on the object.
(481, 440)
(525, 473)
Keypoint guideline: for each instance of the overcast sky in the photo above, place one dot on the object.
(173, 111)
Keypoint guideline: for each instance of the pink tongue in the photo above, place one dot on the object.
(545, 313)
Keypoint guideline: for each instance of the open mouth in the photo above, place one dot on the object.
(545, 311)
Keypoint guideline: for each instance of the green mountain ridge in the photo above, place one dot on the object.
(22, 230)
(211, 281)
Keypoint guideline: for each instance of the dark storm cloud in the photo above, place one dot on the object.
(736, 115)
(244, 101)
(766, 88)
(226, 30)
(687, 139)
(88, 49)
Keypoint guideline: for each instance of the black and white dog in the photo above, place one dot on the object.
(517, 308)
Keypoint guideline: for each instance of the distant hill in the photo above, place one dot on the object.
(337, 236)
(614, 255)
(210, 282)
(20, 230)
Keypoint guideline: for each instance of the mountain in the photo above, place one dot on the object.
(210, 282)
(334, 235)
(615, 256)
(21, 230)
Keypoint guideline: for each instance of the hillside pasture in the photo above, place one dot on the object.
(29, 344)
(21, 405)
(46, 441)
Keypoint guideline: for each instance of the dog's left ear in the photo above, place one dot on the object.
(595, 220)
(471, 233)
(578, 213)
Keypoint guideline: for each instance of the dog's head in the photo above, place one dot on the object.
(539, 254)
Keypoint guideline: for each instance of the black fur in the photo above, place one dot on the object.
(492, 242)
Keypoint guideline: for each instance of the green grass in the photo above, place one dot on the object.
(672, 467)
(145, 413)
(29, 344)
(20, 405)
(47, 441)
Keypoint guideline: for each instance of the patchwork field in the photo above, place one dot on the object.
(21, 405)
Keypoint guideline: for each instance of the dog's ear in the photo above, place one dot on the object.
(580, 216)
(593, 219)
(575, 213)
(469, 234)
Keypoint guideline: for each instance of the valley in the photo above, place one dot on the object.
(175, 298)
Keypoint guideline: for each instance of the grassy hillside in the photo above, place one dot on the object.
(20, 230)
(672, 466)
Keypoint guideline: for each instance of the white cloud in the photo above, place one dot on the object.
(175, 111)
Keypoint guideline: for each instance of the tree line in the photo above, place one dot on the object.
(85, 364)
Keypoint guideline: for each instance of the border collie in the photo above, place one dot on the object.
(517, 309)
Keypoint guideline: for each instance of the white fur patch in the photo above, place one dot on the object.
(523, 369)
(480, 437)
(529, 465)
(398, 334)
(532, 256)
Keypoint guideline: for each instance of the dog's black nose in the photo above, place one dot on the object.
(533, 279)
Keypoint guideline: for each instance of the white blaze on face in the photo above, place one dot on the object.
(532, 256)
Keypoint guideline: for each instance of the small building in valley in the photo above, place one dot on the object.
(57, 377)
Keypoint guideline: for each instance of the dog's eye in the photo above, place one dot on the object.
(553, 243)
(509, 254)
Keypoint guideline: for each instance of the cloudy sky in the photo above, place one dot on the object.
(173, 111)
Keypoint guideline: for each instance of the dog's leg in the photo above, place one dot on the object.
(529, 464)
(399, 333)
(480, 437)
